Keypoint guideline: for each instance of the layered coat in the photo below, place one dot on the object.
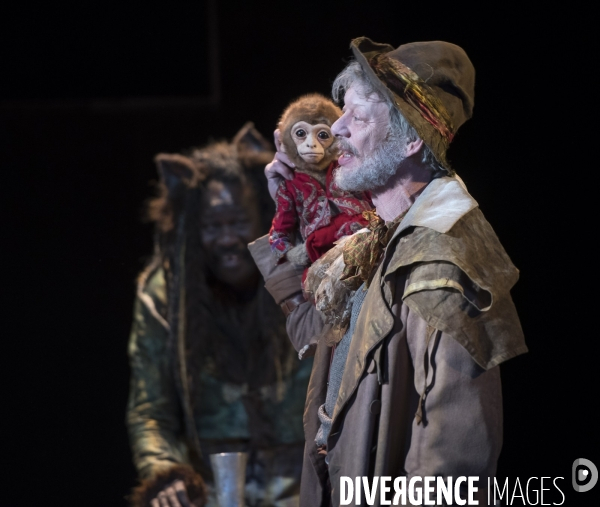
(420, 393)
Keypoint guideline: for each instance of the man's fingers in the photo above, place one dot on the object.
(181, 493)
(275, 172)
(154, 503)
(163, 499)
(172, 497)
(277, 139)
(278, 169)
(282, 157)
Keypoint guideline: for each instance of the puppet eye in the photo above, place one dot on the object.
(323, 135)
(300, 133)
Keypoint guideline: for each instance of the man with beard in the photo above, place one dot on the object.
(412, 387)
(212, 368)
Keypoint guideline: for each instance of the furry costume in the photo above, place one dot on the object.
(192, 391)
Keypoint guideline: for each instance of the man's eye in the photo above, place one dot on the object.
(323, 135)
(300, 133)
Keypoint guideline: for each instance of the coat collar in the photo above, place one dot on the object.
(443, 202)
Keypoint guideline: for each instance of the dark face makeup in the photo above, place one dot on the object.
(229, 221)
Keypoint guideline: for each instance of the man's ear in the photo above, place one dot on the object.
(248, 139)
(413, 147)
(176, 170)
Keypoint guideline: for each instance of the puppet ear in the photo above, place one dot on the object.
(176, 170)
(248, 139)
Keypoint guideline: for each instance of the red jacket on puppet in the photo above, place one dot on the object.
(304, 203)
(311, 204)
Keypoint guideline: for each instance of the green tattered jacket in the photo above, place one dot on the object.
(168, 418)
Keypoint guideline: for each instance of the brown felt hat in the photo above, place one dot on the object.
(445, 74)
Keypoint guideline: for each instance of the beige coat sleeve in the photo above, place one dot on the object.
(283, 281)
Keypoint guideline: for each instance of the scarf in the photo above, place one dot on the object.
(363, 251)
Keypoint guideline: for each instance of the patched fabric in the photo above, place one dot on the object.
(363, 251)
(460, 283)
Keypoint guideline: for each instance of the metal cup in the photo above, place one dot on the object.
(229, 470)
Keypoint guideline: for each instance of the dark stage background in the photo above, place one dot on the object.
(90, 93)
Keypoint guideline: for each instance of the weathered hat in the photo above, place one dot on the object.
(431, 83)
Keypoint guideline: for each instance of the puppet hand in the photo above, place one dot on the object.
(279, 168)
(298, 255)
(174, 495)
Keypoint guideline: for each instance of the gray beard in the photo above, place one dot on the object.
(375, 171)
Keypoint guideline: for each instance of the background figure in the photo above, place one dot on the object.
(212, 368)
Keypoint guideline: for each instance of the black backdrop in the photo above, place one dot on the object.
(77, 145)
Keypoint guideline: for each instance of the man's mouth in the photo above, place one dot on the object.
(348, 152)
(345, 158)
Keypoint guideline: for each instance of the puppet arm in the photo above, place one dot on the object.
(153, 412)
(285, 222)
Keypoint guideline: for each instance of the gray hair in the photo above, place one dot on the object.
(399, 127)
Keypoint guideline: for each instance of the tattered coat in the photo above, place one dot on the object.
(171, 421)
(437, 321)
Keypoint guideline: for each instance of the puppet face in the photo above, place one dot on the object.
(306, 137)
(312, 141)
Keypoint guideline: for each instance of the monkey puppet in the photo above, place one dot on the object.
(311, 203)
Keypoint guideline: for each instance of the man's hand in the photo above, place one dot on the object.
(174, 495)
(281, 167)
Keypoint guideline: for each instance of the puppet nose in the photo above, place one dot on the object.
(311, 141)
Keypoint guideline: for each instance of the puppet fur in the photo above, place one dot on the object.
(313, 109)
(298, 255)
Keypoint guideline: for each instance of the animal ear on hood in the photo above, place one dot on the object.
(176, 170)
(248, 139)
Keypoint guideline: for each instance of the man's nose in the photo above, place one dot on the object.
(339, 127)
